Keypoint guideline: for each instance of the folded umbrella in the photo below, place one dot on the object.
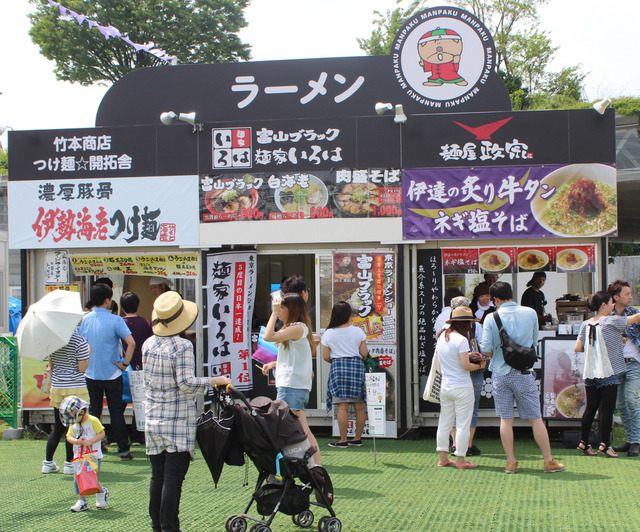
(214, 437)
(49, 324)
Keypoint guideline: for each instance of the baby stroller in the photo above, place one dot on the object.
(274, 440)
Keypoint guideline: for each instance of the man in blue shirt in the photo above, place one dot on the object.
(511, 385)
(629, 384)
(103, 331)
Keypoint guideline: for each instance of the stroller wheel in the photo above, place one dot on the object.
(236, 524)
(260, 528)
(303, 519)
(329, 524)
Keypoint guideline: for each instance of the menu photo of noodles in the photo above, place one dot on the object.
(563, 391)
(498, 260)
(539, 258)
(584, 201)
(576, 259)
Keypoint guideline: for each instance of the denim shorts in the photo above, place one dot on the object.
(599, 383)
(296, 398)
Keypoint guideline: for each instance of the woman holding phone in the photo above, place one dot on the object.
(294, 369)
(456, 393)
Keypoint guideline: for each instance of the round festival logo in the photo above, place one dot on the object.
(443, 56)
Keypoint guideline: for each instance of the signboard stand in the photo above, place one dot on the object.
(376, 407)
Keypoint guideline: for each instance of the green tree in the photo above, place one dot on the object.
(4, 162)
(387, 25)
(195, 31)
(523, 51)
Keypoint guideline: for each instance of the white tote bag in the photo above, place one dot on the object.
(434, 381)
(596, 361)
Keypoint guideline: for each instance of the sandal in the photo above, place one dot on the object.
(586, 449)
(607, 451)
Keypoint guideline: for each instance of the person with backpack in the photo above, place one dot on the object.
(509, 384)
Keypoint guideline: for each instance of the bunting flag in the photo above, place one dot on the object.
(109, 32)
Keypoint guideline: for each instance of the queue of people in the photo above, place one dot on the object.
(90, 367)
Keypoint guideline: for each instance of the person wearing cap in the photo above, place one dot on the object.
(160, 285)
(533, 297)
(170, 418)
(456, 393)
(481, 305)
(511, 385)
(85, 434)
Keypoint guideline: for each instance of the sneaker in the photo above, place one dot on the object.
(125, 457)
(68, 469)
(80, 506)
(473, 451)
(634, 449)
(339, 444)
(102, 497)
(355, 443)
(622, 448)
(511, 468)
(452, 449)
(553, 467)
(49, 466)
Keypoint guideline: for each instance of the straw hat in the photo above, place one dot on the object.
(160, 280)
(462, 314)
(171, 314)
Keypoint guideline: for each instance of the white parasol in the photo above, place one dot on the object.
(49, 324)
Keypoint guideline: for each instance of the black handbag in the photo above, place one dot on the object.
(517, 356)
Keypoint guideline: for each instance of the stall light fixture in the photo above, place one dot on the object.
(169, 117)
(382, 108)
(399, 118)
(602, 105)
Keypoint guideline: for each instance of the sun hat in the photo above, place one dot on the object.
(70, 409)
(160, 280)
(171, 314)
(462, 314)
(460, 301)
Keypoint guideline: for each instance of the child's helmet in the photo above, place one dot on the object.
(70, 409)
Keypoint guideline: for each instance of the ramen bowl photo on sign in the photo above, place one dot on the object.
(584, 202)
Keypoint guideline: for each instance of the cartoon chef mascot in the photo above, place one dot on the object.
(439, 52)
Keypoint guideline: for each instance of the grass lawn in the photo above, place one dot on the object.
(404, 490)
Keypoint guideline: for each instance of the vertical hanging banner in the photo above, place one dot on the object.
(430, 296)
(230, 295)
(367, 281)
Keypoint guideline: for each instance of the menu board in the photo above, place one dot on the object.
(561, 259)
(498, 260)
(367, 281)
(537, 259)
(341, 193)
(461, 260)
(173, 265)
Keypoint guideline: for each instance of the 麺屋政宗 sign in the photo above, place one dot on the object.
(577, 200)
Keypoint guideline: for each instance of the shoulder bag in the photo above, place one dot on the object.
(517, 356)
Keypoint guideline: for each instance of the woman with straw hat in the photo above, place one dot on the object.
(456, 392)
(170, 388)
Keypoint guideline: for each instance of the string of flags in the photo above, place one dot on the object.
(111, 32)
